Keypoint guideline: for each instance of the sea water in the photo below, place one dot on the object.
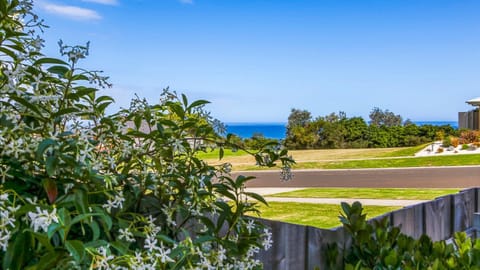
(278, 130)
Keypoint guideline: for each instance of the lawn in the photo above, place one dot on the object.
(314, 155)
(348, 159)
(368, 193)
(316, 215)
(451, 160)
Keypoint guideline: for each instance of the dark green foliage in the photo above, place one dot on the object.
(377, 245)
(386, 118)
(338, 131)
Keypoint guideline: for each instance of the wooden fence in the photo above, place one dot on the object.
(298, 247)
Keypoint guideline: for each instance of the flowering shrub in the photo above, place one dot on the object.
(469, 136)
(82, 190)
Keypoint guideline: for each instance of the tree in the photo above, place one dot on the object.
(298, 134)
(298, 118)
(379, 117)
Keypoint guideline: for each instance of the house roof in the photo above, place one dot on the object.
(474, 102)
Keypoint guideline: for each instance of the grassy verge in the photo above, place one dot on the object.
(405, 151)
(368, 193)
(214, 154)
(452, 160)
(316, 215)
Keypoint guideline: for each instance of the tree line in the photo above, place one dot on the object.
(336, 130)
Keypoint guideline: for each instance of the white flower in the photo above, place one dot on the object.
(163, 254)
(221, 255)
(168, 213)
(42, 219)
(150, 243)
(250, 225)
(101, 260)
(68, 187)
(116, 203)
(126, 234)
(267, 241)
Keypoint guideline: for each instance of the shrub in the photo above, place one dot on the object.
(454, 141)
(469, 136)
(82, 190)
(447, 141)
(465, 146)
(440, 150)
(378, 245)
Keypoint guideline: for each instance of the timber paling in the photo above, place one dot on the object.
(297, 247)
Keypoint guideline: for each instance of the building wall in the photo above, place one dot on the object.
(469, 120)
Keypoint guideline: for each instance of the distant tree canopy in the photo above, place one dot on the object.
(384, 118)
(385, 129)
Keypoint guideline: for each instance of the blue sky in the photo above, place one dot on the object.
(255, 60)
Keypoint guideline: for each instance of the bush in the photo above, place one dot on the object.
(454, 141)
(378, 245)
(465, 146)
(447, 141)
(440, 150)
(469, 136)
(82, 190)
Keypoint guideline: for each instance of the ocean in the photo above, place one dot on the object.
(278, 130)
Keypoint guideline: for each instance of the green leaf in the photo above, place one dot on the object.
(18, 252)
(51, 165)
(43, 239)
(7, 51)
(96, 244)
(28, 105)
(65, 111)
(203, 239)
(392, 258)
(42, 147)
(81, 201)
(185, 100)
(104, 99)
(198, 103)
(257, 197)
(241, 180)
(165, 239)
(177, 109)
(80, 77)
(59, 70)
(95, 230)
(120, 246)
(76, 249)
(52, 229)
(85, 216)
(49, 260)
(221, 152)
(221, 189)
(48, 60)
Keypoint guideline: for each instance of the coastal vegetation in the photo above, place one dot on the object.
(334, 131)
(353, 159)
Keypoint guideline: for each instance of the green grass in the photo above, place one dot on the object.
(453, 160)
(316, 215)
(405, 151)
(215, 154)
(369, 193)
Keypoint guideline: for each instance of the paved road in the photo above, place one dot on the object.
(433, 177)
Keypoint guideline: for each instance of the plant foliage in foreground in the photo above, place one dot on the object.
(81, 190)
(378, 245)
